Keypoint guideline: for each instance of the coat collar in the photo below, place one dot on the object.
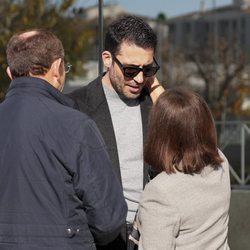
(96, 96)
(36, 87)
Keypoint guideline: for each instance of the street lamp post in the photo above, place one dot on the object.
(100, 36)
(215, 39)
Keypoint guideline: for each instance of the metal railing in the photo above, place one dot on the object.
(234, 142)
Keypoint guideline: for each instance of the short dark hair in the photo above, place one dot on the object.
(130, 29)
(182, 134)
(33, 54)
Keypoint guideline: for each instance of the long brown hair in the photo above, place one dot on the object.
(182, 134)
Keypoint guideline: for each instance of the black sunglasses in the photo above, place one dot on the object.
(132, 71)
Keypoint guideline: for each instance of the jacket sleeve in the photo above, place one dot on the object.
(98, 188)
(157, 220)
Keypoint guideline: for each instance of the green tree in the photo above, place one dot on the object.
(214, 72)
(161, 17)
(76, 33)
(221, 69)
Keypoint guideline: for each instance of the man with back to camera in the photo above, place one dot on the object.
(119, 102)
(56, 177)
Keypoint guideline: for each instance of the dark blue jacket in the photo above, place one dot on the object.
(57, 187)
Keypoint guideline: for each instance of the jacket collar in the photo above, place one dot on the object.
(37, 87)
(97, 97)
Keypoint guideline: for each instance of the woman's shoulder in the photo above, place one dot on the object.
(224, 158)
(164, 181)
(225, 163)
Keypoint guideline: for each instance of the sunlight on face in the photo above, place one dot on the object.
(135, 56)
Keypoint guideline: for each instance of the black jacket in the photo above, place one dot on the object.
(58, 190)
(91, 100)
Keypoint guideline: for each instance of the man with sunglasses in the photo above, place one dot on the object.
(119, 101)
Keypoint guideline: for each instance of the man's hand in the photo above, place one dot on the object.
(154, 87)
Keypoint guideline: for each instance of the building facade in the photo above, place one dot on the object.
(231, 22)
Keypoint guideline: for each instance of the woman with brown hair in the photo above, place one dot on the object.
(186, 205)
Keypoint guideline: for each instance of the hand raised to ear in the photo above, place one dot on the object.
(154, 87)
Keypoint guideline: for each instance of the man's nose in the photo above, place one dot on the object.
(139, 78)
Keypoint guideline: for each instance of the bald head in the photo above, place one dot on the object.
(33, 52)
(28, 34)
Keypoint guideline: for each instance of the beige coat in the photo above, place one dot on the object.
(185, 212)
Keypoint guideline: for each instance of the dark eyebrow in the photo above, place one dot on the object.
(137, 66)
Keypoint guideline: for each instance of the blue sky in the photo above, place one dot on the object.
(169, 7)
(153, 7)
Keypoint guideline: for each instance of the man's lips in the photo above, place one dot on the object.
(134, 88)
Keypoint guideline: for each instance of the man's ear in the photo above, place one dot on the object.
(107, 58)
(9, 73)
(56, 68)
